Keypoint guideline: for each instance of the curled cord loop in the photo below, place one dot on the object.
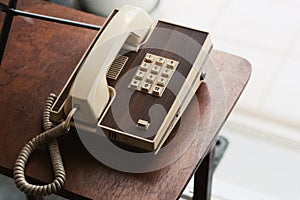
(47, 137)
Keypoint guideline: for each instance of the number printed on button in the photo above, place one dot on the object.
(149, 58)
(155, 69)
(162, 81)
(153, 74)
(139, 75)
(134, 84)
(160, 61)
(167, 72)
(146, 87)
(157, 90)
(145, 66)
(151, 78)
(170, 64)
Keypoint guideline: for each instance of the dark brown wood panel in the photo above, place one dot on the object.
(168, 40)
(39, 59)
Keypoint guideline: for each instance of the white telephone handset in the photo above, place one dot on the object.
(128, 29)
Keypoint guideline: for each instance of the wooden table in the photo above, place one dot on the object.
(39, 59)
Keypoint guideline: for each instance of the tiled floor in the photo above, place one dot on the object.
(257, 167)
(263, 157)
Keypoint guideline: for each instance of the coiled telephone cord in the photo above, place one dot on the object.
(47, 137)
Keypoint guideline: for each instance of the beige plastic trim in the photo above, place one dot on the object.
(128, 28)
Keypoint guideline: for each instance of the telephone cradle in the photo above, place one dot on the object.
(135, 80)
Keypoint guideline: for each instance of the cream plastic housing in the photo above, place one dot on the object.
(129, 28)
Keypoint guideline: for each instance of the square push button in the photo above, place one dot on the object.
(149, 58)
(144, 67)
(160, 61)
(151, 78)
(170, 64)
(166, 73)
(157, 90)
(146, 87)
(139, 75)
(155, 69)
(162, 81)
(134, 84)
(143, 124)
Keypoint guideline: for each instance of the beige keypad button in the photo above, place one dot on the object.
(155, 69)
(166, 73)
(144, 67)
(162, 81)
(160, 61)
(139, 75)
(146, 87)
(170, 64)
(157, 90)
(149, 58)
(134, 84)
(151, 78)
(143, 124)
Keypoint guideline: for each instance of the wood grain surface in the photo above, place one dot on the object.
(39, 59)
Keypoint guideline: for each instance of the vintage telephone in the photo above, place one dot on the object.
(132, 85)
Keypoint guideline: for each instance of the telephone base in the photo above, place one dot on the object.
(153, 87)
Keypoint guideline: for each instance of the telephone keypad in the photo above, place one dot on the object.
(153, 74)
